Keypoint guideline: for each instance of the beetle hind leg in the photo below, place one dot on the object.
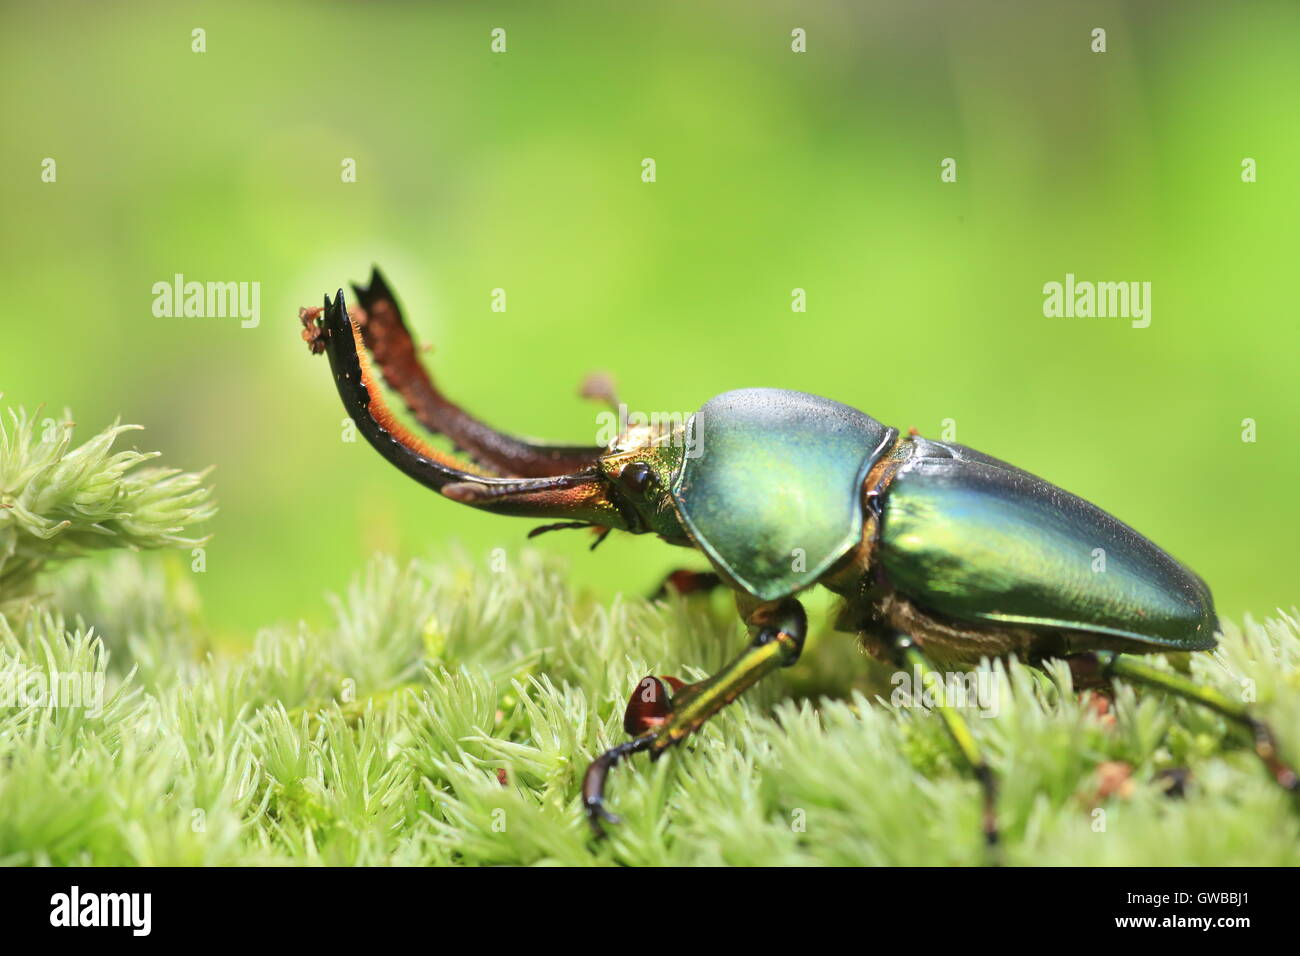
(1112, 664)
(907, 651)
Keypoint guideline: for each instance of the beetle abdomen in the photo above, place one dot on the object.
(974, 539)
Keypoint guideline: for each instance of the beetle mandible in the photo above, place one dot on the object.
(942, 555)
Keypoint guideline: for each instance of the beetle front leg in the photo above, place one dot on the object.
(1122, 665)
(778, 631)
(686, 581)
(909, 652)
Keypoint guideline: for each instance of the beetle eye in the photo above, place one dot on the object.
(637, 477)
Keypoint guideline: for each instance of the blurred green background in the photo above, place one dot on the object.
(775, 170)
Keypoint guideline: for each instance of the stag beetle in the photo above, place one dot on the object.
(942, 555)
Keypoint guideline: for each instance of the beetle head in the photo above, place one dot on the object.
(638, 470)
(627, 488)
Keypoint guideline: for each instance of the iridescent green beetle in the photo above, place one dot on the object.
(942, 555)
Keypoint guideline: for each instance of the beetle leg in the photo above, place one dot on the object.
(593, 784)
(1130, 668)
(909, 652)
(685, 581)
(599, 387)
(778, 631)
(395, 354)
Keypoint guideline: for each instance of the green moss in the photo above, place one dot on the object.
(60, 501)
(381, 739)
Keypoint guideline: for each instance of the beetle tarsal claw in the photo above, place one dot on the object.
(313, 329)
(593, 784)
(312, 333)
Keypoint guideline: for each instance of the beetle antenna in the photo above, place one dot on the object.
(563, 525)
(558, 526)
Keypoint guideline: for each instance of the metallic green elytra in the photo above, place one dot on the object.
(941, 555)
(773, 496)
(975, 539)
